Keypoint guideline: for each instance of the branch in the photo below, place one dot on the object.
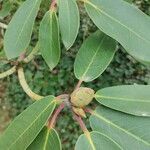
(3, 26)
(78, 84)
(82, 125)
(88, 110)
(55, 116)
(25, 86)
(8, 72)
(53, 5)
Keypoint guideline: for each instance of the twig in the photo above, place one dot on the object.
(84, 129)
(25, 86)
(78, 84)
(22, 57)
(2, 25)
(88, 110)
(8, 72)
(53, 5)
(81, 123)
(52, 121)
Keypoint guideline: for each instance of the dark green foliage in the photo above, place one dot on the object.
(123, 70)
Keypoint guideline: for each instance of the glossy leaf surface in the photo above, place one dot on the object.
(94, 56)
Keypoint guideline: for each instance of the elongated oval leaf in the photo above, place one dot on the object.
(132, 99)
(130, 132)
(69, 21)
(49, 39)
(19, 31)
(94, 56)
(47, 139)
(96, 141)
(123, 22)
(24, 129)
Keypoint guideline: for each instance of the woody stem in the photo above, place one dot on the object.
(81, 123)
(52, 121)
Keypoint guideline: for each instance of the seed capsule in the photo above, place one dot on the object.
(79, 111)
(82, 97)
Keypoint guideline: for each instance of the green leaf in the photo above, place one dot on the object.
(96, 141)
(130, 132)
(49, 39)
(24, 129)
(132, 99)
(123, 22)
(47, 139)
(94, 56)
(129, 1)
(6, 8)
(18, 34)
(69, 21)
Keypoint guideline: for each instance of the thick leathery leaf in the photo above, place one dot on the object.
(24, 129)
(96, 141)
(132, 99)
(94, 56)
(47, 139)
(18, 33)
(49, 39)
(130, 132)
(123, 22)
(69, 21)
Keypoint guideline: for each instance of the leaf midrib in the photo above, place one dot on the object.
(92, 60)
(106, 14)
(46, 139)
(122, 98)
(88, 136)
(26, 21)
(68, 20)
(30, 125)
(120, 128)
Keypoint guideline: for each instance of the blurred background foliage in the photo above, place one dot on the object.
(123, 70)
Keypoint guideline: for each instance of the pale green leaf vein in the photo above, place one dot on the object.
(106, 14)
(30, 125)
(122, 98)
(92, 59)
(118, 127)
(26, 22)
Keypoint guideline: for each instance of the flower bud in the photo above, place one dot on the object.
(82, 97)
(79, 111)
